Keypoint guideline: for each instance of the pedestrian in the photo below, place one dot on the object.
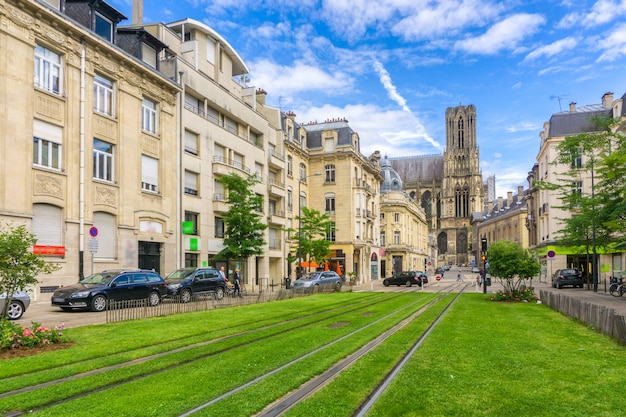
(223, 274)
(458, 277)
(237, 291)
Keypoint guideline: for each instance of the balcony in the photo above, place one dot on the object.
(275, 159)
(276, 188)
(219, 203)
(277, 218)
(224, 166)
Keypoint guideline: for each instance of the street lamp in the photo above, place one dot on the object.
(300, 181)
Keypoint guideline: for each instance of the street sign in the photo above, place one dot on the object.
(551, 254)
(93, 245)
(93, 231)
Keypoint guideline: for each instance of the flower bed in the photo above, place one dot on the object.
(15, 336)
(515, 295)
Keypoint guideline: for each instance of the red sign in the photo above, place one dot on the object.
(49, 250)
(438, 278)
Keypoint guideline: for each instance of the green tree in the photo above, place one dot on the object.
(244, 230)
(512, 265)
(312, 242)
(18, 264)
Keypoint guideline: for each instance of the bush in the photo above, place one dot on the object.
(15, 336)
(515, 295)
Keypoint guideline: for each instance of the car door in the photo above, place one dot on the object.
(140, 286)
(201, 282)
(121, 288)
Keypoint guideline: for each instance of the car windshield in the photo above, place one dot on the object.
(180, 274)
(99, 279)
(310, 275)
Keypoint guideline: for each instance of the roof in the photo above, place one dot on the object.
(239, 67)
(314, 133)
(424, 168)
(580, 120)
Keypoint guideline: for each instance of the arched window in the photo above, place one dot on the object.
(330, 203)
(461, 133)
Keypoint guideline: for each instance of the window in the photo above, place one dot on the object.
(104, 27)
(382, 238)
(577, 158)
(330, 233)
(149, 55)
(330, 173)
(47, 140)
(274, 240)
(191, 260)
(47, 224)
(330, 203)
(219, 194)
(577, 190)
(210, 50)
(47, 70)
(103, 95)
(219, 227)
(302, 172)
(103, 161)
(289, 199)
(396, 237)
(396, 217)
(289, 165)
(302, 202)
(191, 143)
(148, 116)
(149, 174)
(191, 183)
(191, 219)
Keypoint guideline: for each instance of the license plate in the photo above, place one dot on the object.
(58, 300)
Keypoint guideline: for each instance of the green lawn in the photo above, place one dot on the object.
(483, 358)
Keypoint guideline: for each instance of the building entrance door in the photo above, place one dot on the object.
(149, 255)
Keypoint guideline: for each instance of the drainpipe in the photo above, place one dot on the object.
(181, 177)
(81, 186)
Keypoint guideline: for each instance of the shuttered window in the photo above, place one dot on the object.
(105, 223)
(48, 224)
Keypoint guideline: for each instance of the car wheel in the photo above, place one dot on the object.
(338, 287)
(185, 295)
(154, 299)
(316, 288)
(16, 309)
(219, 293)
(408, 283)
(99, 303)
(386, 283)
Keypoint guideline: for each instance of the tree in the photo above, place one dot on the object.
(511, 264)
(312, 242)
(244, 229)
(18, 264)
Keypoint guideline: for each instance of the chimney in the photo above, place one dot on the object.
(260, 96)
(520, 192)
(137, 12)
(509, 198)
(572, 107)
(500, 205)
(607, 99)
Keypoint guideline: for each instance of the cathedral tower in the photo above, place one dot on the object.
(462, 184)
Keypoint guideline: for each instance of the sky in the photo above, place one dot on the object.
(393, 67)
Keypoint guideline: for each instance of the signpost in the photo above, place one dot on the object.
(551, 255)
(93, 243)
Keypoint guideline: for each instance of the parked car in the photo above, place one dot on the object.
(423, 277)
(95, 291)
(319, 280)
(17, 306)
(570, 276)
(475, 269)
(187, 282)
(408, 278)
(439, 270)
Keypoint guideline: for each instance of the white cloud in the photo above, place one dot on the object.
(352, 18)
(602, 12)
(614, 46)
(552, 49)
(506, 34)
(522, 127)
(431, 20)
(280, 80)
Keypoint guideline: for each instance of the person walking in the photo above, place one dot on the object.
(458, 277)
(223, 274)
(237, 291)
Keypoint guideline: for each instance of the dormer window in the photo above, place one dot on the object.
(104, 27)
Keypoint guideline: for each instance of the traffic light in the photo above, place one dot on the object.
(484, 244)
(484, 258)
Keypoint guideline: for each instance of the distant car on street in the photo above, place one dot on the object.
(569, 276)
(187, 282)
(17, 305)
(95, 291)
(475, 269)
(407, 278)
(319, 280)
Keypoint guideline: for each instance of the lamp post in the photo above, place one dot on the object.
(300, 181)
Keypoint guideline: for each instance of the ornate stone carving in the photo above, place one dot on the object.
(105, 196)
(47, 185)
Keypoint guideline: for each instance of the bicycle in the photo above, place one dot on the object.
(617, 289)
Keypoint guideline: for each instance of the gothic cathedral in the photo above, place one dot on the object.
(450, 187)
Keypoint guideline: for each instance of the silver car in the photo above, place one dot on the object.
(18, 305)
(320, 280)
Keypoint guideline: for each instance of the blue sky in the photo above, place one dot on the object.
(392, 67)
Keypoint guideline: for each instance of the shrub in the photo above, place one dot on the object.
(15, 336)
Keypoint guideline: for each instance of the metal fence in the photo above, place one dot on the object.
(140, 309)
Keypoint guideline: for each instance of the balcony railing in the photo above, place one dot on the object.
(232, 163)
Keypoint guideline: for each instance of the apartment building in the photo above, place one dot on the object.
(88, 129)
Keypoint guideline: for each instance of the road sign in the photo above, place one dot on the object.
(551, 254)
(93, 245)
(93, 231)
